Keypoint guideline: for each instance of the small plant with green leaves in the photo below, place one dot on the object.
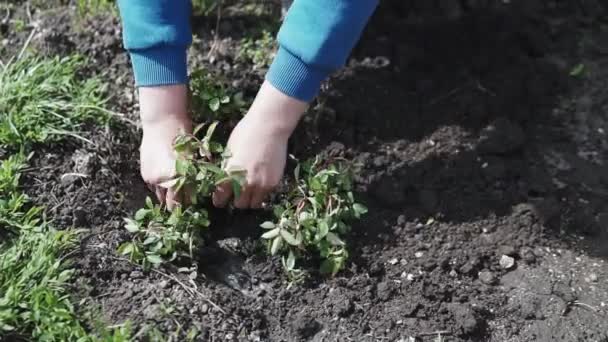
(315, 215)
(259, 51)
(212, 99)
(162, 236)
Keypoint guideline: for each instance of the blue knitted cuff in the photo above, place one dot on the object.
(160, 66)
(293, 77)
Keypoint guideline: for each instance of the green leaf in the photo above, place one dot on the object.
(577, 70)
(334, 239)
(150, 240)
(271, 234)
(125, 248)
(225, 99)
(290, 263)
(155, 259)
(267, 225)
(141, 214)
(329, 266)
(181, 166)
(131, 226)
(289, 237)
(198, 128)
(149, 203)
(277, 243)
(323, 229)
(214, 104)
(359, 209)
(236, 188)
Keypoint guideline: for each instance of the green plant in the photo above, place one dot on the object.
(259, 51)
(315, 215)
(212, 99)
(162, 236)
(94, 7)
(43, 100)
(205, 7)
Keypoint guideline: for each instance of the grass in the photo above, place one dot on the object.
(43, 100)
(94, 7)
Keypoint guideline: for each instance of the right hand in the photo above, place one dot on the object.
(164, 115)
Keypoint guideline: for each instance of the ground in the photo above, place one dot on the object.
(481, 153)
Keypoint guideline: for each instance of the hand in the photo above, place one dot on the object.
(164, 115)
(258, 144)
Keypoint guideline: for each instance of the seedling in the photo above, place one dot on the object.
(314, 215)
(161, 236)
(258, 51)
(212, 99)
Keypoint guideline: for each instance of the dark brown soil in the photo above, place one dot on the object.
(474, 144)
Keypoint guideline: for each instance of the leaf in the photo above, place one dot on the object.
(141, 214)
(150, 240)
(577, 70)
(359, 209)
(155, 259)
(181, 166)
(267, 225)
(126, 248)
(277, 243)
(289, 237)
(149, 203)
(236, 188)
(131, 226)
(290, 263)
(214, 104)
(225, 99)
(198, 128)
(328, 266)
(323, 229)
(334, 239)
(271, 234)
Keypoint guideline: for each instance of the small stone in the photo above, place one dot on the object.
(163, 284)
(453, 274)
(487, 277)
(403, 262)
(384, 290)
(418, 254)
(204, 308)
(593, 277)
(79, 217)
(506, 262)
(401, 220)
(393, 261)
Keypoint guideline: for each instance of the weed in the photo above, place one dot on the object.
(160, 236)
(212, 100)
(204, 7)
(314, 215)
(33, 297)
(42, 100)
(259, 51)
(578, 70)
(94, 7)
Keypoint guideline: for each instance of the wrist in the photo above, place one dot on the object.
(162, 104)
(278, 112)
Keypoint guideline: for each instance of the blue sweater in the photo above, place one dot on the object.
(314, 41)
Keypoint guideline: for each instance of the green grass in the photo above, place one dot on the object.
(95, 7)
(43, 100)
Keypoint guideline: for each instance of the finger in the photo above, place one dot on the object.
(244, 198)
(173, 199)
(222, 195)
(258, 197)
(160, 193)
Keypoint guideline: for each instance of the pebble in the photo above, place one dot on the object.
(507, 262)
(593, 277)
(487, 277)
(418, 254)
(393, 261)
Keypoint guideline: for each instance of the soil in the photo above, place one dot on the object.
(482, 160)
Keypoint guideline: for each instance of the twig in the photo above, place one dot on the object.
(439, 332)
(216, 34)
(27, 43)
(191, 290)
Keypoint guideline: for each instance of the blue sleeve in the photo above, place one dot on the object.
(157, 35)
(315, 39)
